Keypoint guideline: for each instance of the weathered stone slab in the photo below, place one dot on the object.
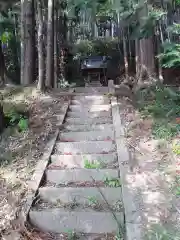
(90, 108)
(85, 147)
(84, 128)
(58, 221)
(95, 101)
(80, 175)
(90, 98)
(88, 115)
(78, 161)
(81, 195)
(88, 120)
(92, 90)
(86, 136)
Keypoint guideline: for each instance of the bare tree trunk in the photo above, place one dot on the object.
(62, 36)
(2, 66)
(2, 118)
(50, 45)
(22, 41)
(125, 54)
(55, 47)
(29, 43)
(41, 60)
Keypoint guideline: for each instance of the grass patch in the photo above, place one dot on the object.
(91, 164)
(162, 105)
(112, 182)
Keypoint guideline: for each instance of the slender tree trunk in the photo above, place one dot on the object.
(22, 40)
(55, 48)
(2, 66)
(50, 45)
(30, 43)
(125, 53)
(41, 60)
(2, 118)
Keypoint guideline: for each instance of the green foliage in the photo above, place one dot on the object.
(17, 119)
(162, 104)
(170, 56)
(91, 165)
(96, 47)
(112, 182)
(164, 130)
(176, 149)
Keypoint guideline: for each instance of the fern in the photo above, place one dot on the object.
(171, 55)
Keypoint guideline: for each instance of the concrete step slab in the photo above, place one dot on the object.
(70, 148)
(84, 128)
(78, 161)
(89, 108)
(86, 136)
(92, 90)
(90, 97)
(58, 221)
(90, 101)
(79, 175)
(87, 115)
(84, 196)
(88, 121)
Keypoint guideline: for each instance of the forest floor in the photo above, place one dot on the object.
(153, 137)
(20, 150)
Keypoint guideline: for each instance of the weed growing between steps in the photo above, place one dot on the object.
(112, 182)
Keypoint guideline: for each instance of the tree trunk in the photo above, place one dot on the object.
(125, 54)
(22, 40)
(55, 48)
(61, 40)
(2, 66)
(29, 43)
(146, 51)
(2, 118)
(50, 45)
(41, 60)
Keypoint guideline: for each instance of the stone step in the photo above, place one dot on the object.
(84, 128)
(92, 90)
(79, 175)
(90, 102)
(86, 136)
(88, 121)
(87, 115)
(78, 161)
(90, 97)
(70, 148)
(90, 108)
(58, 221)
(84, 196)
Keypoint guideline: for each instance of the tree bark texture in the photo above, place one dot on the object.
(29, 43)
(50, 45)
(41, 59)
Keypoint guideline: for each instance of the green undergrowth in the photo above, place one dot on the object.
(162, 104)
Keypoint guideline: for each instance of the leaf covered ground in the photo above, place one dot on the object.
(152, 136)
(20, 150)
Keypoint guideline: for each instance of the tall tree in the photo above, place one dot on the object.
(22, 26)
(50, 45)
(29, 67)
(41, 58)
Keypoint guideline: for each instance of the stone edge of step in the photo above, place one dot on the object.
(40, 169)
(133, 230)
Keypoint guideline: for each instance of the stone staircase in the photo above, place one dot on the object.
(81, 192)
